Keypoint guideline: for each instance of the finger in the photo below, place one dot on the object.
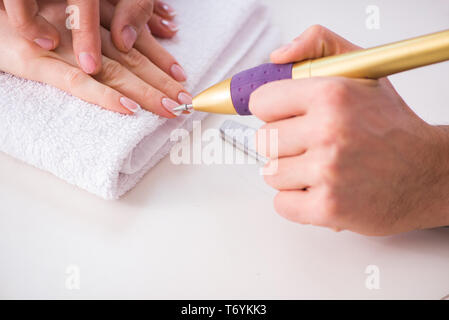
(287, 98)
(317, 41)
(86, 34)
(148, 46)
(130, 18)
(74, 81)
(118, 77)
(296, 206)
(146, 70)
(164, 10)
(287, 137)
(24, 16)
(293, 173)
(155, 52)
(161, 27)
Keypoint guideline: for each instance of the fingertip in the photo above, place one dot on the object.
(162, 28)
(164, 10)
(44, 43)
(128, 37)
(276, 58)
(168, 105)
(88, 63)
(44, 34)
(178, 73)
(282, 54)
(130, 105)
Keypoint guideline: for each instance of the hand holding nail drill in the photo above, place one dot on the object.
(350, 153)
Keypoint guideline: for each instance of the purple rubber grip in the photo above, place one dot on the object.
(245, 82)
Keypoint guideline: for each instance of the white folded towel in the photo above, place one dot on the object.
(107, 153)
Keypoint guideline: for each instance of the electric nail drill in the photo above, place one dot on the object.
(231, 96)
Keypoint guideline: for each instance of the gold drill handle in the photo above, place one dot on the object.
(379, 61)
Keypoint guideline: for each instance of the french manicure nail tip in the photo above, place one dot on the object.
(130, 104)
(170, 25)
(184, 98)
(169, 105)
(167, 8)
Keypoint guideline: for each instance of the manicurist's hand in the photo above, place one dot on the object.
(129, 20)
(127, 79)
(351, 153)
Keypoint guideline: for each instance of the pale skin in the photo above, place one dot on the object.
(129, 19)
(127, 80)
(351, 154)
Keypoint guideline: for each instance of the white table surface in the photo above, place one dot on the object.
(211, 231)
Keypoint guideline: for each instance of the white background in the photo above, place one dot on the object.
(211, 231)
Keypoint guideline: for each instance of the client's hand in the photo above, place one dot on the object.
(126, 81)
(128, 20)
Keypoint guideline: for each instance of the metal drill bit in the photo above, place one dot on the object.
(183, 107)
(243, 138)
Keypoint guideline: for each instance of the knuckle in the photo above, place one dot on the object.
(151, 96)
(336, 93)
(111, 70)
(328, 133)
(74, 77)
(332, 168)
(316, 30)
(134, 59)
(105, 93)
(168, 85)
(329, 170)
(26, 51)
(146, 6)
(22, 25)
(329, 209)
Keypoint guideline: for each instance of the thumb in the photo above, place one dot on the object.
(316, 42)
(24, 17)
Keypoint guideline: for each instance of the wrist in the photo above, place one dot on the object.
(440, 172)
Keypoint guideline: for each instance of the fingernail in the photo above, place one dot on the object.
(129, 35)
(87, 62)
(184, 98)
(170, 25)
(130, 104)
(178, 72)
(148, 28)
(282, 49)
(169, 104)
(46, 44)
(167, 8)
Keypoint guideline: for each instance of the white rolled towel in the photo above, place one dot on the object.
(107, 153)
